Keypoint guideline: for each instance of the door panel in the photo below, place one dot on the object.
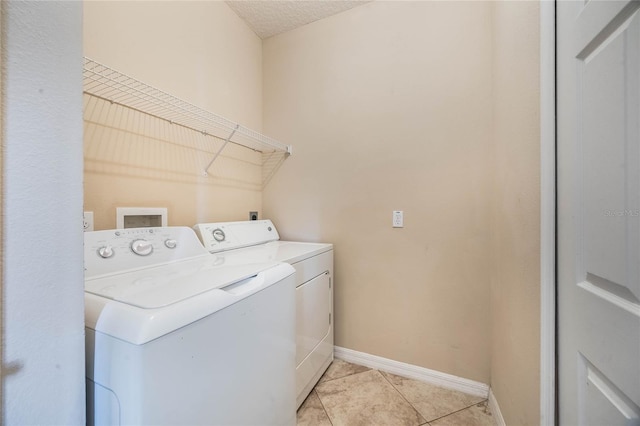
(599, 212)
(607, 118)
(604, 402)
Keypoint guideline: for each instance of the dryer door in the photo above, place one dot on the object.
(313, 310)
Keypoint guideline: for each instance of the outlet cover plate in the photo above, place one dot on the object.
(87, 221)
(398, 219)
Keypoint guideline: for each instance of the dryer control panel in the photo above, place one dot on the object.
(223, 236)
(118, 250)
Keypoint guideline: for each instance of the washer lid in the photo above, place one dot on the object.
(165, 285)
(138, 325)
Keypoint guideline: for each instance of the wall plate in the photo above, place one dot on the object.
(141, 217)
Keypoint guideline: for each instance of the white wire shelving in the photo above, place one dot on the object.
(118, 88)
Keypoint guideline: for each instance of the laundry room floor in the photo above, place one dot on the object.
(353, 395)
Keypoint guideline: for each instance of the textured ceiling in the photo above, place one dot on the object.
(270, 17)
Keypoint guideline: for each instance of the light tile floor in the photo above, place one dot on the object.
(352, 395)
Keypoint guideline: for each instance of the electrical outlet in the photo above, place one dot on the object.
(87, 221)
(253, 215)
(398, 219)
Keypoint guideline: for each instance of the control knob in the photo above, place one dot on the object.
(142, 247)
(105, 252)
(218, 235)
(170, 243)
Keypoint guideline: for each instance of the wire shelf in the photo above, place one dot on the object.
(108, 84)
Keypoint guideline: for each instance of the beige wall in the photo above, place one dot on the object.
(198, 51)
(389, 107)
(515, 242)
(431, 108)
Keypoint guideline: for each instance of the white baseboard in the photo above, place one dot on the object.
(413, 372)
(495, 409)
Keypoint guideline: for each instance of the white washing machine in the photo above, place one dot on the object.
(176, 336)
(237, 243)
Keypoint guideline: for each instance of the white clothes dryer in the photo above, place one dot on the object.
(175, 336)
(238, 243)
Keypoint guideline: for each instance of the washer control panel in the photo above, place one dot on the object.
(122, 249)
(223, 236)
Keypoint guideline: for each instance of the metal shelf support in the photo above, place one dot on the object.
(226, 141)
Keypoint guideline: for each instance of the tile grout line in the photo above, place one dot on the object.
(323, 407)
(329, 380)
(384, 375)
(462, 409)
(437, 418)
(342, 377)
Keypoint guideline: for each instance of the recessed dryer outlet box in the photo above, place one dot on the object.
(140, 217)
(253, 215)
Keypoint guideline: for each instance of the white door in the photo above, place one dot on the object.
(598, 212)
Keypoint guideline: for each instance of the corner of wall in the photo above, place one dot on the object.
(495, 409)
(547, 213)
(516, 232)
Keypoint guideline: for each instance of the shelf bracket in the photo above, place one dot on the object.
(226, 141)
